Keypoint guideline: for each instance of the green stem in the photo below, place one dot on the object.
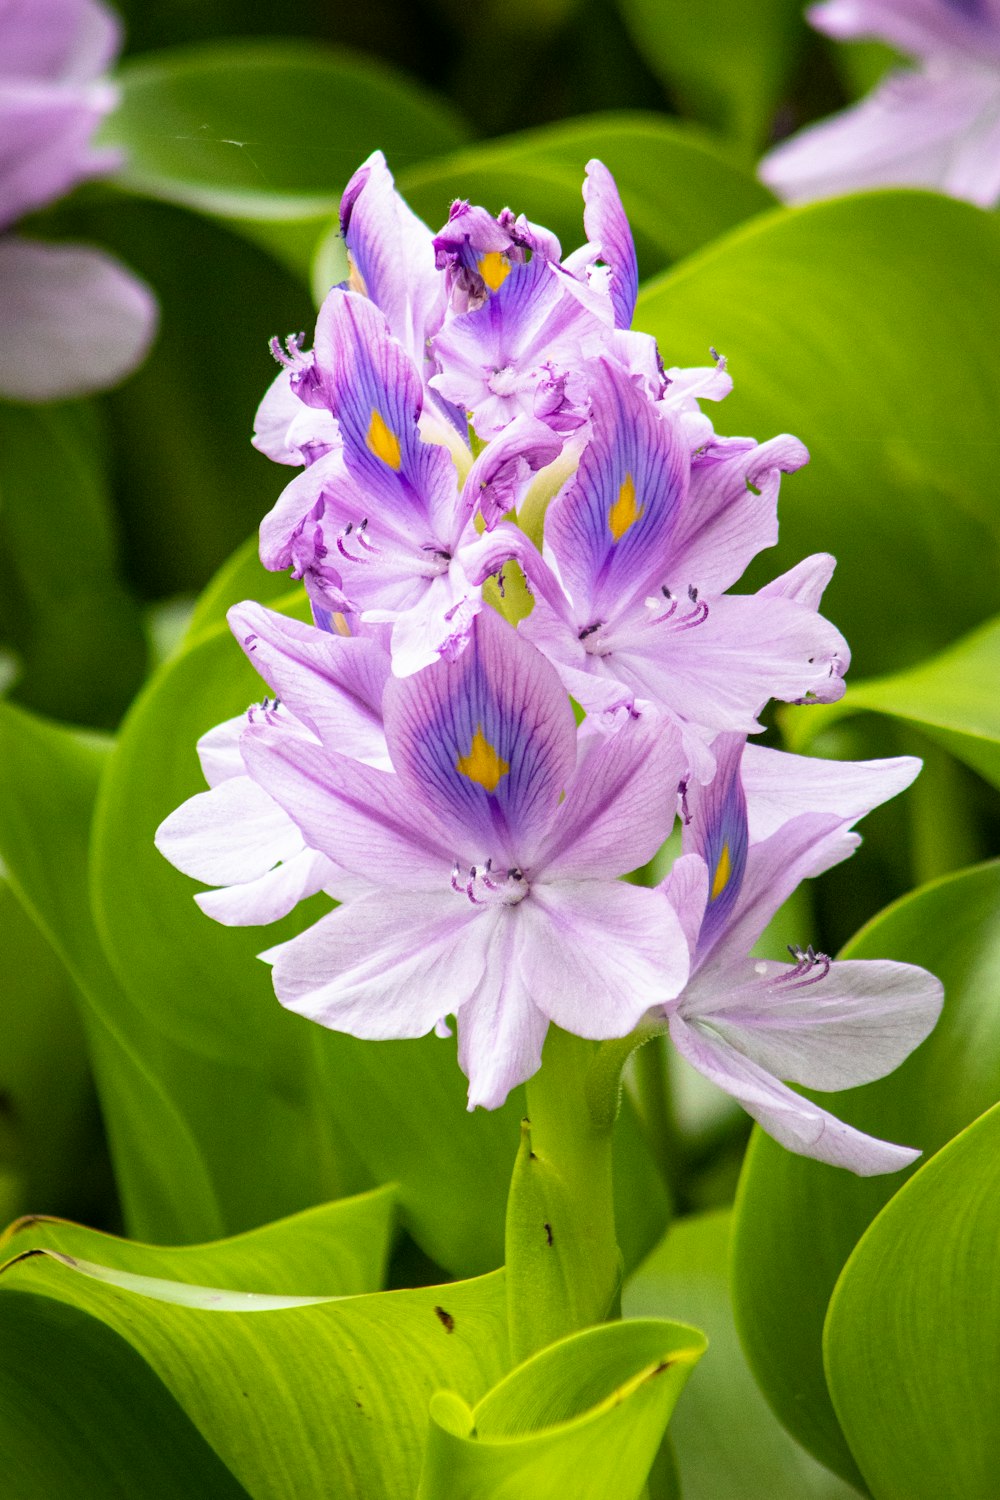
(563, 1261)
(654, 1097)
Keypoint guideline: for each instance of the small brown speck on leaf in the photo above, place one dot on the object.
(445, 1319)
(548, 1234)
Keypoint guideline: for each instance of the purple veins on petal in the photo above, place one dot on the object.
(607, 226)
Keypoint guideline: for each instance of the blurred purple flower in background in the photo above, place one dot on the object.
(936, 125)
(72, 319)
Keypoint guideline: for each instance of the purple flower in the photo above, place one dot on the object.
(935, 126)
(72, 320)
(766, 822)
(490, 854)
(640, 549)
(376, 524)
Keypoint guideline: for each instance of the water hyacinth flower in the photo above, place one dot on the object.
(936, 125)
(72, 319)
(766, 822)
(421, 760)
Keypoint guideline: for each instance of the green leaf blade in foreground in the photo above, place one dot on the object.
(318, 1399)
(954, 699)
(831, 318)
(913, 1330)
(726, 1440)
(798, 1220)
(584, 1417)
(266, 131)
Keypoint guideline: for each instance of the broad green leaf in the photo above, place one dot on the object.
(678, 186)
(50, 1137)
(242, 576)
(82, 1415)
(913, 1329)
(954, 698)
(725, 62)
(725, 1438)
(47, 796)
(585, 1418)
(797, 1220)
(831, 323)
(325, 1398)
(64, 609)
(267, 134)
(190, 487)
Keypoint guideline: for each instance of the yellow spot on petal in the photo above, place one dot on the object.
(482, 764)
(355, 280)
(723, 870)
(624, 513)
(383, 442)
(340, 625)
(494, 268)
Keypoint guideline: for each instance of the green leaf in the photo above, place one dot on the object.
(242, 576)
(678, 186)
(47, 796)
(50, 1138)
(831, 325)
(585, 1418)
(64, 609)
(954, 699)
(267, 134)
(324, 1398)
(913, 1329)
(725, 1438)
(798, 1220)
(727, 63)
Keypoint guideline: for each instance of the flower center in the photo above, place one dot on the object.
(485, 886)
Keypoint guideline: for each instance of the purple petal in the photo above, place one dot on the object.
(392, 256)
(822, 1024)
(731, 513)
(806, 583)
(364, 819)
(500, 475)
(718, 832)
(610, 530)
(606, 224)
(500, 1029)
(231, 834)
(620, 805)
(72, 320)
(488, 740)
(781, 786)
(494, 360)
(45, 143)
(64, 41)
(936, 129)
(255, 903)
(289, 431)
(332, 684)
(587, 984)
(794, 1122)
(388, 964)
(920, 27)
(219, 751)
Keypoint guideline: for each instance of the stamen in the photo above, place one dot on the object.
(805, 963)
(291, 356)
(589, 630)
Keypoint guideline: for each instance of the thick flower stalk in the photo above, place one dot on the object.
(934, 125)
(72, 319)
(421, 760)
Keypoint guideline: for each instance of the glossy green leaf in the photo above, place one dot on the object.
(725, 62)
(242, 576)
(50, 1137)
(914, 1326)
(954, 699)
(585, 1418)
(267, 134)
(831, 323)
(725, 1438)
(797, 1220)
(679, 188)
(64, 609)
(324, 1398)
(47, 796)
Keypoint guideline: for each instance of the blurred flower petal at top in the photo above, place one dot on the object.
(72, 319)
(935, 125)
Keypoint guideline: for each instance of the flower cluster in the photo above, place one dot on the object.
(421, 760)
(935, 125)
(72, 320)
